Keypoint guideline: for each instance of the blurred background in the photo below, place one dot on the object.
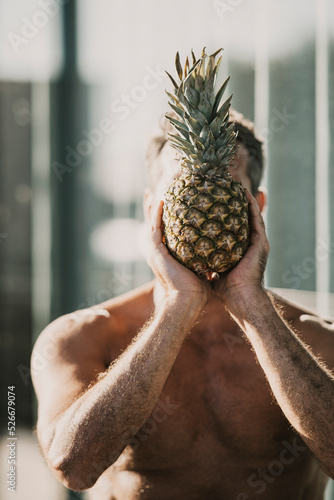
(81, 89)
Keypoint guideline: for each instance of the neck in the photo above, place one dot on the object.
(213, 309)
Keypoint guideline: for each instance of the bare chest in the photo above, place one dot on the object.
(216, 406)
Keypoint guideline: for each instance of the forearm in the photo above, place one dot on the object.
(96, 427)
(303, 387)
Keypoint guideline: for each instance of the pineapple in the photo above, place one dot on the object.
(205, 214)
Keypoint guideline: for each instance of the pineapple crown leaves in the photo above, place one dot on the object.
(205, 138)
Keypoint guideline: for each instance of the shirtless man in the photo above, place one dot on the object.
(188, 388)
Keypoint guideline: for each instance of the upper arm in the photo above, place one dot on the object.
(315, 331)
(67, 357)
(318, 334)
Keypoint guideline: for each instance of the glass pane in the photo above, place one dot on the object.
(291, 146)
(15, 240)
(31, 48)
(117, 40)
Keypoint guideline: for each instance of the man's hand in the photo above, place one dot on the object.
(247, 277)
(176, 280)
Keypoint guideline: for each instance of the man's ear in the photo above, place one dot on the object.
(261, 197)
(148, 204)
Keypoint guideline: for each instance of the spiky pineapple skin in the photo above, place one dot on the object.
(206, 222)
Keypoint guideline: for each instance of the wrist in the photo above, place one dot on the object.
(185, 306)
(248, 301)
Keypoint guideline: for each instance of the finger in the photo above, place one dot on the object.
(258, 233)
(326, 323)
(156, 224)
(255, 213)
(253, 206)
(157, 216)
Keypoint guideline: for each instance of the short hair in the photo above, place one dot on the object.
(156, 149)
(254, 145)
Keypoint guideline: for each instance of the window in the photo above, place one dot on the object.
(82, 88)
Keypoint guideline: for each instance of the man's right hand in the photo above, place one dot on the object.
(176, 280)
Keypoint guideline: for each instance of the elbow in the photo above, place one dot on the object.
(70, 468)
(73, 473)
(59, 462)
(68, 475)
(76, 467)
(79, 473)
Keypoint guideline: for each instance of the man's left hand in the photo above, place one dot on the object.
(247, 277)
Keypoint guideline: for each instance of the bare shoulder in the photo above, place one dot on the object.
(317, 331)
(76, 348)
